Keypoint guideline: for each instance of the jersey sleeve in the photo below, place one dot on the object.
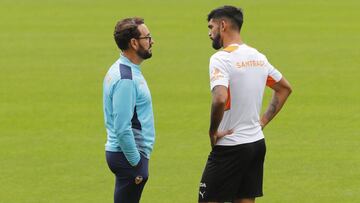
(219, 72)
(124, 98)
(274, 75)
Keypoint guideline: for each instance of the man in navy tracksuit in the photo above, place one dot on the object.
(128, 111)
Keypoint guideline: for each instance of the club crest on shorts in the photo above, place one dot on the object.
(138, 180)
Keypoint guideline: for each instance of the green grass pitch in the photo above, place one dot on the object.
(54, 55)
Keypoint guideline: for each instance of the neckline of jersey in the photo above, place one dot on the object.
(235, 44)
(124, 59)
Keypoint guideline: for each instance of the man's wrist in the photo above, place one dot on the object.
(263, 122)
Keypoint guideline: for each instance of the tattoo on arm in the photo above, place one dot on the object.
(282, 90)
(272, 109)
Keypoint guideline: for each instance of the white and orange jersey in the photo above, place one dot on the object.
(245, 72)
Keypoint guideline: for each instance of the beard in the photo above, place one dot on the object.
(144, 53)
(216, 42)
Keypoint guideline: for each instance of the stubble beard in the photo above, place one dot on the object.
(216, 42)
(144, 53)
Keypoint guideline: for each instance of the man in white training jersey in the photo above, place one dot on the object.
(238, 76)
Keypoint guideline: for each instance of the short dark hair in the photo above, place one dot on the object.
(125, 30)
(233, 13)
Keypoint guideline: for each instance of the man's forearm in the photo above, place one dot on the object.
(217, 112)
(128, 147)
(275, 105)
(219, 96)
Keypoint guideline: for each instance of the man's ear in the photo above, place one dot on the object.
(223, 25)
(134, 43)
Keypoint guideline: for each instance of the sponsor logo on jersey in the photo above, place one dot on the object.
(216, 74)
(250, 64)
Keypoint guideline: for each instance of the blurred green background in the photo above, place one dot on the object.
(54, 55)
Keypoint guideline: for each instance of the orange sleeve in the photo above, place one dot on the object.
(270, 81)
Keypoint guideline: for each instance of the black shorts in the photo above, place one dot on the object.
(233, 172)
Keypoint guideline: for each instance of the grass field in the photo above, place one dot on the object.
(54, 55)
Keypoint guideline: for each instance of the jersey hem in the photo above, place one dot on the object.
(225, 143)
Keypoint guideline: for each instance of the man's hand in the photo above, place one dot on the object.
(217, 135)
